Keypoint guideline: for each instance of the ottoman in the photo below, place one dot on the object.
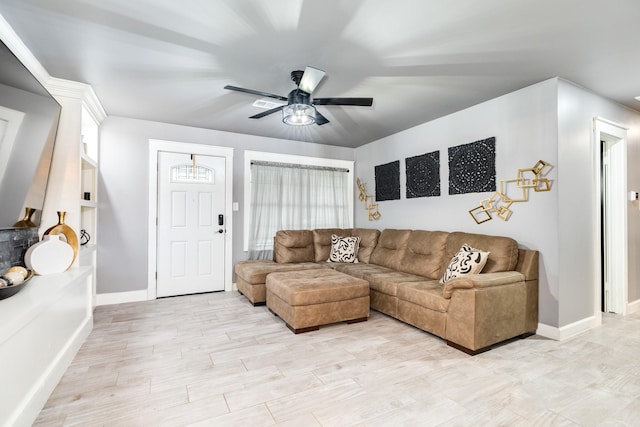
(307, 299)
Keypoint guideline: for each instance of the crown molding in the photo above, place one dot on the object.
(82, 91)
(22, 52)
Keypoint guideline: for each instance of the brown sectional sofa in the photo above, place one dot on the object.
(403, 268)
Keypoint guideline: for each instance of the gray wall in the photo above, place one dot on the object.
(551, 121)
(525, 126)
(123, 190)
(576, 110)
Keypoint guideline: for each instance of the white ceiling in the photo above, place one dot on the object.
(168, 60)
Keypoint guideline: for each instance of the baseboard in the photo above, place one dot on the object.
(121, 297)
(633, 307)
(570, 330)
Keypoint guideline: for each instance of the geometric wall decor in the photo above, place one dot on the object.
(374, 213)
(388, 181)
(511, 191)
(472, 167)
(423, 175)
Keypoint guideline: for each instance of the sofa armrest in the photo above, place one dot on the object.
(485, 280)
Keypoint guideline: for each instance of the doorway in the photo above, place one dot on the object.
(612, 217)
(189, 257)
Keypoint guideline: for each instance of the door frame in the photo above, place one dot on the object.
(606, 130)
(157, 145)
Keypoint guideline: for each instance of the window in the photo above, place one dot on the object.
(189, 173)
(293, 192)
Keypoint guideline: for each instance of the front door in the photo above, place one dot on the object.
(191, 224)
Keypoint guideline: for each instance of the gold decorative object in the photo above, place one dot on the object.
(26, 221)
(367, 199)
(541, 167)
(504, 189)
(63, 229)
(500, 203)
(477, 214)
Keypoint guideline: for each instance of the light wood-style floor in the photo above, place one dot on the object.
(215, 360)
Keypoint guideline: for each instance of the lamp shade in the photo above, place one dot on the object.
(299, 114)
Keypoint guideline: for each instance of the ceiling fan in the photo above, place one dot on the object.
(301, 107)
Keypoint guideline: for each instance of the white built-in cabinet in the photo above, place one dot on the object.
(89, 193)
(74, 169)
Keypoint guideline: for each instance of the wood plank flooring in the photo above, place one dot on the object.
(215, 360)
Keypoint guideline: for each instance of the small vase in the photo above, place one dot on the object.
(63, 229)
(26, 221)
(49, 256)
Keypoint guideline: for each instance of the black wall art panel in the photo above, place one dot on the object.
(423, 175)
(388, 181)
(472, 167)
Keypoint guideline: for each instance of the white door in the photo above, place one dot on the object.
(191, 224)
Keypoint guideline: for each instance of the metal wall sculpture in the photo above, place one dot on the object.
(367, 199)
(388, 181)
(500, 202)
(423, 175)
(472, 167)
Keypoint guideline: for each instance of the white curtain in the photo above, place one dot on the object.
(294, 197)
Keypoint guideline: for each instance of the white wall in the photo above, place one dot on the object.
(123, 190)
(525, 126)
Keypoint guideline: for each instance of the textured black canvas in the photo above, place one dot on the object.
(472, 167)
(388, 181)
(423, 175)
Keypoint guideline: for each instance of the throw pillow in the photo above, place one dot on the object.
(468, 260)
(344, 249)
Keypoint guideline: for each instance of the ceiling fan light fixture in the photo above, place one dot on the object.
(299, 114)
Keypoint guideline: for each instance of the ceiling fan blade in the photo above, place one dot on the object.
(320, 119)
(255, 92)
(310, 79)
(361, 102)
(266, 113)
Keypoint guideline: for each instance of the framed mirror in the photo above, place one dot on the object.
(29, 118)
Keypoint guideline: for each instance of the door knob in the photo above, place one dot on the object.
(221, 231)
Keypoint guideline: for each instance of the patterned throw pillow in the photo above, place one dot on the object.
(468, 260)
(344, 249)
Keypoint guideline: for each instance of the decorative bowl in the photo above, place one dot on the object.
(11, 290)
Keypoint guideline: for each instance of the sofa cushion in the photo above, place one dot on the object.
(390, 248)
(426, 294)
(387, 282)
(293, 246)
(322, 241)
(368, 242)
(424, 253)
(255, 272)
(467, 261)
(504, 250)
(359, 270)
(344, 249)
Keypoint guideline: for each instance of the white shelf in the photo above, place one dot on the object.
(88, 204)
(88, 248)
(88, 162)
